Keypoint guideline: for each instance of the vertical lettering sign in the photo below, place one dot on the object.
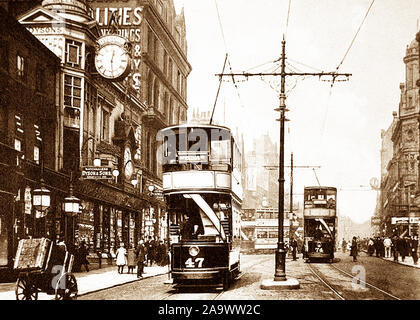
(129, 17)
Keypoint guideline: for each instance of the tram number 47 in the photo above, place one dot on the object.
(191, 264)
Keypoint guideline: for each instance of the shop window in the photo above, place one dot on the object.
(21, 68)
(73, 53)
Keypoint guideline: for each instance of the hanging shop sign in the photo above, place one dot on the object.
(97, 173)
(28, 200)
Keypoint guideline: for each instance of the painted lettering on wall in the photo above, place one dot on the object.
(129, 20)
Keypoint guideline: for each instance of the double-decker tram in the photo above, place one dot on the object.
(320, 222)
(203, 193)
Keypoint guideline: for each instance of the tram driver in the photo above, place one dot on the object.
(191, 228)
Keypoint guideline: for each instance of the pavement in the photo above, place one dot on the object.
(92, 281)
(408, 261)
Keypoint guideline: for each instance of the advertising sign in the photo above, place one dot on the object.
(97, 173)
(399, 220)
(129, 16)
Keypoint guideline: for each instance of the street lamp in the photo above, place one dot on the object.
(42, 198)
(71, 203)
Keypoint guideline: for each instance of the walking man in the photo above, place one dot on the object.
(140, 255)
(354, 249)
(387, 245)
(294, 244)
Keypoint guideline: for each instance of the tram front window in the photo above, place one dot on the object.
(191, 228)
(319, 229)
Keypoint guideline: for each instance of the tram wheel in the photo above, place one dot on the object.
(25, 289)
(66, 288)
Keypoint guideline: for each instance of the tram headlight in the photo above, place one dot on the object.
(193, 251)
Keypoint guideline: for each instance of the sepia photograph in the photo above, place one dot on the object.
(209, 157)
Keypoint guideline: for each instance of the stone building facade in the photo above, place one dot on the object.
(114, 122)
(399, 184)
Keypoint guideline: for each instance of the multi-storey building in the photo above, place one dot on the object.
(95, 119)
(28, 144)
(399, 211)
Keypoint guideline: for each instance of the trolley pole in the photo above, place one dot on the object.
(280, 280)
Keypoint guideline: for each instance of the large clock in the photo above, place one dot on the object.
(112, 60)
(128, 163)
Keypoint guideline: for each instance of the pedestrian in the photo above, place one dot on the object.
(354, 249)
(387, 245)
(371, 247)
(376, 246)
(404, 250)
(149, 251)
(293, 244)
(121, 258)
(140, 257)
(131, 259)
(395, 247)
(83, 252)
(344, 245)
(413, 246)
(161, 253)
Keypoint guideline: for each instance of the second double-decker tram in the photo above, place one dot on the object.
(203, 192)
(320, 222)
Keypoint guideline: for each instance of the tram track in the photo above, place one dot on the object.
(217, 295)
(341, 294)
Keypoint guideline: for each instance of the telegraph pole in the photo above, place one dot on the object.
(280, 280)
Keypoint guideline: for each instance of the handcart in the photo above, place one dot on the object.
(44, 266)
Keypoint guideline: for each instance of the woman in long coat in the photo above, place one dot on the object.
(354, 249)
(121, 258)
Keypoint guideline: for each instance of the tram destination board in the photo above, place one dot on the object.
(97, 173)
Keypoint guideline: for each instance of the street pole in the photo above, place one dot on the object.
(280, 261)
(280, 270)
(291, 183)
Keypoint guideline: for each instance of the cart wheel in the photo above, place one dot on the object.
(25, 289)
(66, 288)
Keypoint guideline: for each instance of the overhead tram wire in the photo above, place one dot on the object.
(228, 61)
(339, 65)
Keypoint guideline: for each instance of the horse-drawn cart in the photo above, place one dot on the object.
(44, 266)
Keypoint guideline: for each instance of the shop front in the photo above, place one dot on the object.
(109, 216)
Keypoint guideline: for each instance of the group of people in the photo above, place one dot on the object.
(396, 246)
(145, 254)
(387, 247)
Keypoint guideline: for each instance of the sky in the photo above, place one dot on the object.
(337, 128)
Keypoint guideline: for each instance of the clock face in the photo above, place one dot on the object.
(128, 162)
(112, 61)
